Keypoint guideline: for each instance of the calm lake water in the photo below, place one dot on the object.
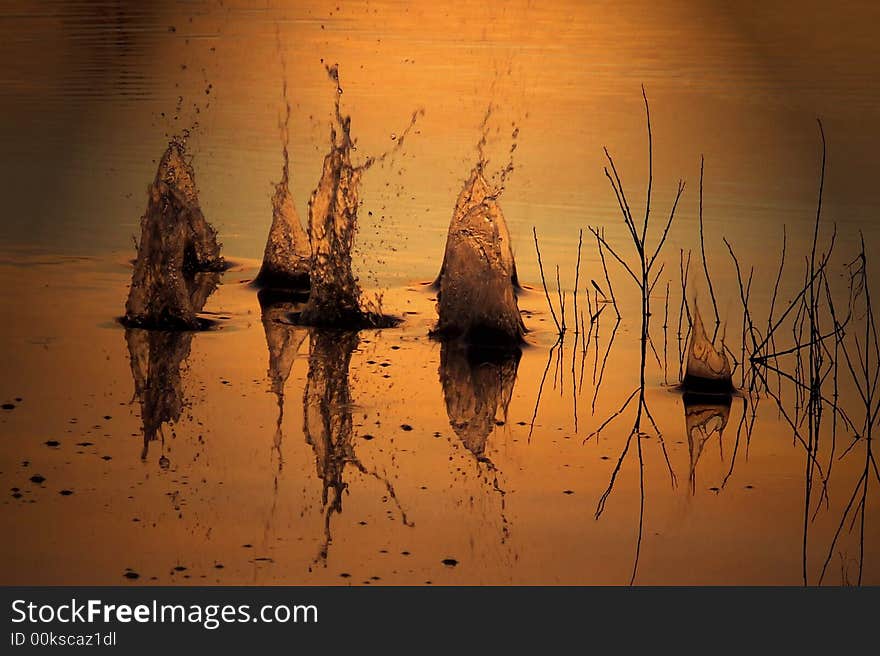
(289, 456)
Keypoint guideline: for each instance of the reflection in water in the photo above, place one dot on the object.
(327, 424)
(475, 388)
(705, 417)
(176, 241)
(156, 357)
(283, 339)
(477, 384)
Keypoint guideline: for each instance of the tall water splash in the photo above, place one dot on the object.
(476, 299)
(336, 299)
(475, 192)
(287, 256)
(328, 423)
(156, 358)
(708, 369)
(176, 243)
(477, 284)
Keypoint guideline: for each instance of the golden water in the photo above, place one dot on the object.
(290, 455)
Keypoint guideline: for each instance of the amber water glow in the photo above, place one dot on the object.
(264, 452)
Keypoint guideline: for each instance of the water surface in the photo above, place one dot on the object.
(260, 452)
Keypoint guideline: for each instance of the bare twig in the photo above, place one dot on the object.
(544, 282)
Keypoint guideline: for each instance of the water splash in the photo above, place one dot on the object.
(476, 297)
(708, 368)
(477, 284)
(336, 298)
(176, 243)
(287, 257)
(477, 190)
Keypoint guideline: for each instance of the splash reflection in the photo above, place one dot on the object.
(477, 386)
(157, 358)
(705, 418)
(328, 425)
